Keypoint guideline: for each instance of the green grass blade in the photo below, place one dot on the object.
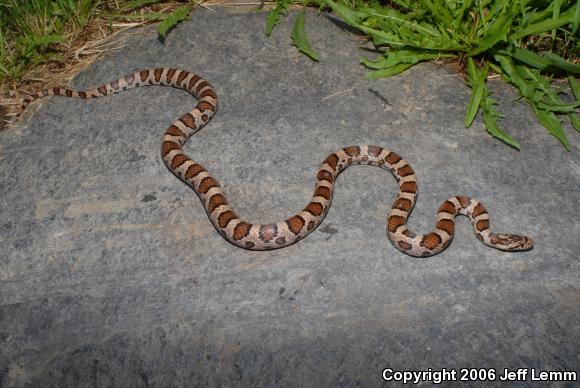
(395, 56)
(39, 41)
(576, 18)
(388, 72)
(146, 16)
(275, 15)
(477, 83)
(549, 61)
(494, 67)
(496, 33)
(439, 11)
(404, 33)
(136, 4)
(389, 14)
(574, 87)
(559, 62)
(347, 14)
(575, 121)
(460, 12)
(546, 25)
(177, 16)
(403, 3)
(46, 39)
(512, 76)
(533, 16)
(534, 89)
(560, 108)
(490, 119)
(299, 38)
(526, 56)
(551, 121)
(381, 37)
(555, 15)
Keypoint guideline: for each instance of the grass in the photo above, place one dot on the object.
(44, 43)
(529, 43)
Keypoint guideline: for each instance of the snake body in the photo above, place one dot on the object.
(281, 234)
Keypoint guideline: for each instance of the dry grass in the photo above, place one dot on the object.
(100, 36)
(97, 39)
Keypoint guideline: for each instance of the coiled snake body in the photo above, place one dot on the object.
(281, 234)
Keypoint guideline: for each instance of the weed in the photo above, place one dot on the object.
(527, 42)
(45, 42)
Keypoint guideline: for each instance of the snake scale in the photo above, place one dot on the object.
(287, 232)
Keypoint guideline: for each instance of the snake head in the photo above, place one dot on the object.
(512, 242)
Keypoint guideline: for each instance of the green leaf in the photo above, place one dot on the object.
(402, 32)
(136, 4)
(179, 15)
(299, 38)
(146, 16)
(555, 15)
(574, 87)
(395, 56)
(439, 10)
(398, 18)
(488, 33)
(347, 14)
(546, 25)
(490, 118)
(512, 76)
(533, 88)
(476, 81)
(550, 121)
(354, 17)
(561, 108)
(549, 61)
(460, 12)
(575, 121)
(559, 62)
(576, 18)
(526, 56)
(532, 16)
(39, 41)
(275, 15)
(494, 67)
(495, 33)
(393, 70)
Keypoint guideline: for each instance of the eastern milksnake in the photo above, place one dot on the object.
(284, 233)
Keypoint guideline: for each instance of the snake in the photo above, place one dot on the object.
(260, 237)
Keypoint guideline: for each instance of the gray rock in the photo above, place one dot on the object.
(112, 275)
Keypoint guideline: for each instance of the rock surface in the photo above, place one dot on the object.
(112, 275)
